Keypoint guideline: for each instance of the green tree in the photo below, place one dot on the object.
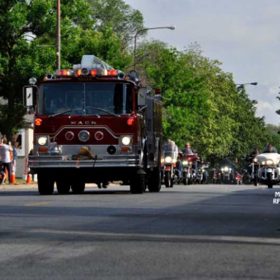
(13, 24)
(273, 136)
(250, 131)
(118, 16)
(27, 47)
(201, 102)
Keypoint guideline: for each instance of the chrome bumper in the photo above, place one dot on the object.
(48, 161)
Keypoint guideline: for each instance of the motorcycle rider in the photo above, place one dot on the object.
(170, 153)
(171, 146)
(269, 149)
(179, 165)
(191, 168)
(253, 154)
(188, 150)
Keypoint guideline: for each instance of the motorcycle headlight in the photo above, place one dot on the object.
(185, 162)
(168, 160)
(42, 140)
(126, 140)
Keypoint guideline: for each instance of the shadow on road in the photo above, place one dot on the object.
(189, 212)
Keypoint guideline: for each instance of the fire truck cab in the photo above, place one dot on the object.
(92, 124)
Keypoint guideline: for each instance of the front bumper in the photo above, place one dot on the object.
(48, 161)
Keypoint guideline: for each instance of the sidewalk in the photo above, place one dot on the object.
(18, 186)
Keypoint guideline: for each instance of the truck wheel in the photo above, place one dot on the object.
(45, 184)
(62, 186)
(78, 187)
(138, 183)
(154, 183)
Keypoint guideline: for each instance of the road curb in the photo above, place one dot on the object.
(18, 186)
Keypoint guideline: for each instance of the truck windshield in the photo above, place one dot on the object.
(85, 99)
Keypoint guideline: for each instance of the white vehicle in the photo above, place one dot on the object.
(269, 168)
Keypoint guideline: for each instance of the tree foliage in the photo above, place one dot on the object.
(118, 16)
(201, 102)
(27, 47)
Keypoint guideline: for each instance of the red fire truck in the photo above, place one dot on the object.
(93, 124)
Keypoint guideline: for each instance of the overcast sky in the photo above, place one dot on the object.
(244, 35)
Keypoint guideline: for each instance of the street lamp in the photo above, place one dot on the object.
(241, 86)
(141, 31)
(58, 36)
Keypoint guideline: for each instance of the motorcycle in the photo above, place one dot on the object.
(201, 174)
(168, 166)
(269, 170)
(216, 176)
(189, 170)
(238, 178)
(227, 175)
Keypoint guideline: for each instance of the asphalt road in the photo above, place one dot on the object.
(187, 232)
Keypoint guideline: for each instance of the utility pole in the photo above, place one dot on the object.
(58, 36)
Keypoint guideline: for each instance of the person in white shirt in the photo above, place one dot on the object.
(6, 153)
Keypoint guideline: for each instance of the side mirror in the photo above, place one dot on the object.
(142, 97)
(29, 96)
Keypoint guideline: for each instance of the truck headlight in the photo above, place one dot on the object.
(42, 140)
(126, 140)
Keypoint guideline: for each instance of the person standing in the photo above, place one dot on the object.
(6, 154)
(14, 159)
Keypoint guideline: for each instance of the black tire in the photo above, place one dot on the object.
(167, 179)
(45, 184)
(185, 179)
(154, 182)
(269, 179)
(78, 187)
(138, 184)
(62, 186)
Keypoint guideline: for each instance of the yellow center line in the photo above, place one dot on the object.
(39, 203)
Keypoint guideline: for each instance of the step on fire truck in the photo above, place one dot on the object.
(94, 124)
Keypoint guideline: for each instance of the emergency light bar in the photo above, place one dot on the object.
(91, 66)
(95, 72)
